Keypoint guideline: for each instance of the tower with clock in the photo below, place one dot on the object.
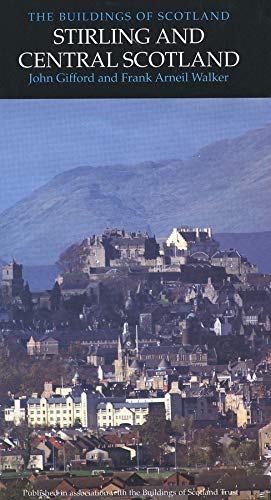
(127, 352)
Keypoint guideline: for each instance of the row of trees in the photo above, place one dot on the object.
(192, 448)
(25, 375)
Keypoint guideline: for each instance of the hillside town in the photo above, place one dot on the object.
(144, 371)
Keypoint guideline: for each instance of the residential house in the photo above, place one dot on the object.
(97, 456)
(16, 411)
(36, 460)
(237, 482)
(11, 460)
(222, 326)
(265, 441)
(178, 479)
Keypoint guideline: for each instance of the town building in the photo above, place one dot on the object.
(46, 346)
(233, 262)
(11, 460)
(63, 406)
(182, 355)
(113, 414)
(130, 411)
(235, 482)
(60, 410)
(16, 411)
(186, 241)
(128, 350)
(116, 248)
(36, 460)
(12, 279)
(100, 356)
(265, 441)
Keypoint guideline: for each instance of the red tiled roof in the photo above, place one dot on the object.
(55, 443)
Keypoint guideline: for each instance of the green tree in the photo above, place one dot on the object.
(204, 449)
(14, 490)
(27, 299)
(154, 433)
(23, 434)
(77, 422)
(242, 453)
(249, 451)
(66, 454)
(181, 425)
(55, 297)
(70, 260)
(182, 455)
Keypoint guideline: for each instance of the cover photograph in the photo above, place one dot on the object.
(135, 249)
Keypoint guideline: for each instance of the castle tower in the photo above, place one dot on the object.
(12, 279)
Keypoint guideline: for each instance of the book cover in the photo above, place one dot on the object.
(135, 299)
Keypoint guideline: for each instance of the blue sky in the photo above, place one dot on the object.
(41, 138)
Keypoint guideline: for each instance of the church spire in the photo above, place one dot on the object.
(137, 342)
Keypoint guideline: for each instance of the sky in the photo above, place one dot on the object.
(41, 138)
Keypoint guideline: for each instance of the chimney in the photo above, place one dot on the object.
(209, 231)
(175, 387)
(185, 336)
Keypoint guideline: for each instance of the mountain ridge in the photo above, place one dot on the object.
(225, 185)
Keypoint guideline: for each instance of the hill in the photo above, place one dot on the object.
(226, 186)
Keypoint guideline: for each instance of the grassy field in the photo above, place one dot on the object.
(86, 473)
